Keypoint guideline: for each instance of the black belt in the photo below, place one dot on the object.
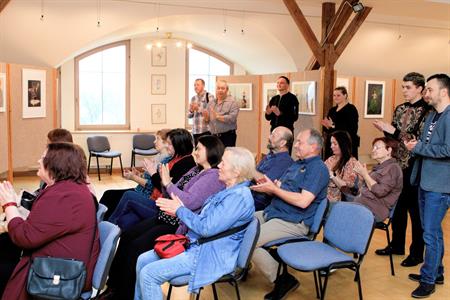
(224, 133)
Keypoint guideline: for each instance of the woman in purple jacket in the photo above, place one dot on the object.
(193, 189)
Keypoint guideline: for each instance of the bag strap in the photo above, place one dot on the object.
(220, 235)
(207, 97)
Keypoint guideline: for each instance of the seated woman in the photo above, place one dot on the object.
(193, 189)
(340, 165)
(111, 198)
(383, 185)
(179, 148)
(62, 222)
(227, 209)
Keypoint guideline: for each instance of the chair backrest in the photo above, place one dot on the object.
(248, 244)
(349, 227)
(109, 239)
(143, 141)
(101, 211)
(318, 218)
(98, 143)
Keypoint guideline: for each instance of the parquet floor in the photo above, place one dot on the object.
(377, 283)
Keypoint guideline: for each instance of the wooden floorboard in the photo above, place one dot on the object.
(377, 283)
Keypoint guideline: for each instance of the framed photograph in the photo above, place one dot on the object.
(2, 92)
(374, 100)
(158, 114)
(306, 95)
(269, 90)
(242, 92)
(159, 56)
(158, 84)
(33, 93)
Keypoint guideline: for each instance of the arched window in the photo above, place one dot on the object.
(206, 65)
(102, 87)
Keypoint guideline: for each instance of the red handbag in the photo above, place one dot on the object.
(170, 245)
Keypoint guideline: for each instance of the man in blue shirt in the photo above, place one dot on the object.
(275, 163)
(295, 198)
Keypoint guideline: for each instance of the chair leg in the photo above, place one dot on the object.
(214, 292)
(316, 285)
(121, 167)
(169, 292)
(390, 254)
(236, 286)
(322, 293)
(132, 160)
(89, 162)
(110, 169)
(98, 169)
(198, 295)
(359, 284)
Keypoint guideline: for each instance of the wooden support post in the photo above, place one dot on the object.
(3, 4)
(10, 175)
(351, 30)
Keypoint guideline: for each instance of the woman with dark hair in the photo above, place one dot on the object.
(340, 165)
(111, 198)
(383, 185)
(62, 222)
(344, 116)
(193, 189)
(179, 148)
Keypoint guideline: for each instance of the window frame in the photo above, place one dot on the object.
(210, 53)
(77, 59)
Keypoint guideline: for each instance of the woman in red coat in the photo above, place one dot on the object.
(62, 222)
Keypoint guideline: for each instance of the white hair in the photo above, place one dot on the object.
(243, 162)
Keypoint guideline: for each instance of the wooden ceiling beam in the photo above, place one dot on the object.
(351, 30)
(305, 29)
(339, 20)
(3, 4)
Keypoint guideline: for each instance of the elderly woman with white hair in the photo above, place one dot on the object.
(230, 208)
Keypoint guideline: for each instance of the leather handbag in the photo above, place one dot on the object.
(56, 278)
(170, 245)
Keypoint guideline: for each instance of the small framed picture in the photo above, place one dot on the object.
(159, 56)
(158, 84)
(242, 93)
(374, 100)
(306, 95)
(158, 114)
(269, 91)
(33, 93)
(2, 92)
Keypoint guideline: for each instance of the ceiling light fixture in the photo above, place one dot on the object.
(357, 7)
(42, 10)
(99, 11)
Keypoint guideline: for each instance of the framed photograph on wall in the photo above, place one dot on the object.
(158, 84)
(2, 92)
(306, 95)
(269, 90)
(374, 99)
(33, 93)
(242, 93)
(158, 114)
(159, 56)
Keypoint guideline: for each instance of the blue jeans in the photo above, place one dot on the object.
(136, 211)
(127, 196)
(433, 207)
(152, 272)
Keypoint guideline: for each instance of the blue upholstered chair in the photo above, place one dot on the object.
(109, 239)
(143, 144)
(347, 231)
(98, 146)
(248, 244)
(101, 211)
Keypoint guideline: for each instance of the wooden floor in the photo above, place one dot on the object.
(377, 283)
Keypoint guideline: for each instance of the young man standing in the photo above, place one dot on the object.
(432, 173)
(407, 124)
(198, 110)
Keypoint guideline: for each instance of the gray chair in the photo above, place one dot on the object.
(101, 211)
(143, 144)
(98, 146)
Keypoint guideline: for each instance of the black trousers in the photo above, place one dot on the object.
(9, 257)
(196, 136)
(111, 199)
(228, 138)
(408, 202)
(133, 242)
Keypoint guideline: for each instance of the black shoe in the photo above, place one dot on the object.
(423, 291)
(388, 250)
(411, 261)
(284, 284)
(417, 277)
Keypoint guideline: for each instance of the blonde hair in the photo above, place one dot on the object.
(243, 162)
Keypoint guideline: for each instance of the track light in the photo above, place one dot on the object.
(357, 7)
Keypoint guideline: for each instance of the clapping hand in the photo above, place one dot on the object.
(7, 193)
(169, 206)
(411, 144)
(276, 110)
(164, 173)
(360, 168)
(265, 185)
(150, 165)
(268, 110)
(383, 126)
(327, 122)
